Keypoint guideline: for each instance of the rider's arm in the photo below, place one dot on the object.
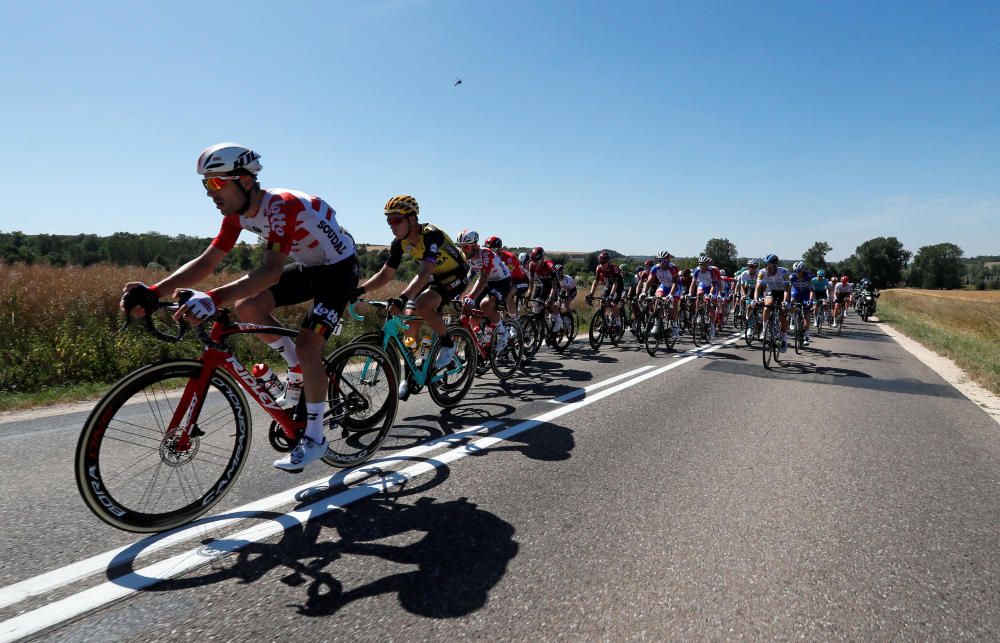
(192, 272)
(380, 278)
(257, 281)
(419, 280)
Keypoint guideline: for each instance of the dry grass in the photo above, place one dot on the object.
(964, 325)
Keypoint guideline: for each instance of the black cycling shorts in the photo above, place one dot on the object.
(497, 289)
(521, 285)
(329, 286)
(447, 286)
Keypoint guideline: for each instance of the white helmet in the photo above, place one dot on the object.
(799, 265)
(467, 237)
(228, 157)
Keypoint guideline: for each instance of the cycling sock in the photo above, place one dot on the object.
(314, 420)
(286, 348)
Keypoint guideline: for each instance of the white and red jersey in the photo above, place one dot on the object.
(293, 223)
(488, 264)
(543, 270)
(706, 278)
(515, 267)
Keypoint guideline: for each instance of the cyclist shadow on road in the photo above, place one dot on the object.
(789, 366)
(449, 571)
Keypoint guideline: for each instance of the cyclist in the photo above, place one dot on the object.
(324, 269)
(492, 284)
(541, 274)
(746, 282)
(820, 287)
(772, 282)
(518, 277)
(664, 277)
(566, 292)
(441, 278)
(842, 293)
(705, 279)
(614, 285)
(802, 293)
(725, 295)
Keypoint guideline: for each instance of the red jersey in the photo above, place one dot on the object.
(609, 273)
(544, 270)
(510, 260)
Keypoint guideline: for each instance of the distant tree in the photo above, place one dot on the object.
(937, 266)
(815, 257)
(882, 260)
(723, 254)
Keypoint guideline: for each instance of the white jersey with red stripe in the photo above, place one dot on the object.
(489, 265)
(293, 223)
(707, 277)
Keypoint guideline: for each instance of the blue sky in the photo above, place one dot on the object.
(636, 126)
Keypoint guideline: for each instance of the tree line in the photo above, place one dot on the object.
(884, 260)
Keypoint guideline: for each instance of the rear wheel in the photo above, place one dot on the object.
(138, 473)
(362, 400)
(531, 334)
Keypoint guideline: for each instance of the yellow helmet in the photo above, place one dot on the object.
(402, 204)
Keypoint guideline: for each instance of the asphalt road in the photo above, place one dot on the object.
(848, 493)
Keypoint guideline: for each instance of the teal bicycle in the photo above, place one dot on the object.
(447, 385)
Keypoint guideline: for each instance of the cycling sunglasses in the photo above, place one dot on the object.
(216, 183)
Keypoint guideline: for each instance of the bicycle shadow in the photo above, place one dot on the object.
(796, 367)
(452, 569)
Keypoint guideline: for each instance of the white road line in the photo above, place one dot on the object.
(110, 591)
(593, 387)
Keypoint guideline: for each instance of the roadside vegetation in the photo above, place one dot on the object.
(963, 325)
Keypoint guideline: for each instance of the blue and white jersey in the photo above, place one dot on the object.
(801, 284)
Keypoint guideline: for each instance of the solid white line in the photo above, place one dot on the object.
(593, 387)
(110, 591)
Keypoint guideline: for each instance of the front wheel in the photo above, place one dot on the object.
(505, 362)
(138, 472)
(448, 385)
(597, 330)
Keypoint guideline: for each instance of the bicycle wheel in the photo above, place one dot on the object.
(696, 328)
(799, 333)
(531, 335)
(750, 329)
(506, 362)
(576, 325)
(564, 338)
(652, 341)
(840, 322)
(597, 330)
(776, 344)
(449, 385)
(615, 331)
(131, 469)
(818, 319)
(765, 346)
(362, 401)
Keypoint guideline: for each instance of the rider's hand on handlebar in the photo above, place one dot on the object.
(138, 299)
(196, 306)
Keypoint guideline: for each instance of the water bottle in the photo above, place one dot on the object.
(425, 346)
(410, 343)
(271, 383)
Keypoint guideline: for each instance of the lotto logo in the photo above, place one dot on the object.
(322, 312)
(277, 221)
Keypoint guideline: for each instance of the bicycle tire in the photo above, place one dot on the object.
(565, 337)
(362, 402)
(102, 474)
(765, 346)
(799, 332)
(597, 330)
(506, 362)
(652, 340)
(750, 329)
(531, 333)
(449, 391)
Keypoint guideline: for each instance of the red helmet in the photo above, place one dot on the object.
(649, 263)
(538, 253)
(494, 243)
(603, 257)
(843, 279)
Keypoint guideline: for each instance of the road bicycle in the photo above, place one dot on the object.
(604, 324)
(771, 345)
(447, 385)
(660, 327)
(703, 320)
(798, 325)
(754, 324)
(819, 315)
(537, 327)
(487, 340)
(167, 441)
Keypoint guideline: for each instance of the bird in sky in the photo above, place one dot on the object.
(458, 81)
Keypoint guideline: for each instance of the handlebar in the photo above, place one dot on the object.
(147, 322)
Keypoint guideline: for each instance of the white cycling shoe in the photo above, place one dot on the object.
(304, 453)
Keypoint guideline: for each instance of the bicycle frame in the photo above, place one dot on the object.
(218, 356)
